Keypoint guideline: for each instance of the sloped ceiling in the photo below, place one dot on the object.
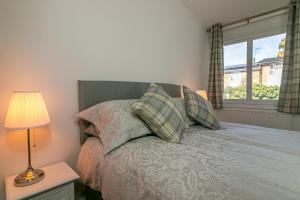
(226, 11)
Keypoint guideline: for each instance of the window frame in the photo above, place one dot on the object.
(249, 102)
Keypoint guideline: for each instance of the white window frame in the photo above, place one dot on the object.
(249, 102)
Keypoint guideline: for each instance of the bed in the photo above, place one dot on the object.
(236, 162)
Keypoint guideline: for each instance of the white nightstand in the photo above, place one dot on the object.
(58, 184)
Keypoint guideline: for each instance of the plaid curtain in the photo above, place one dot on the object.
(216, 67)
(289, 96)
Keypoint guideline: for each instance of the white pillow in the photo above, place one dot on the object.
(116, 123)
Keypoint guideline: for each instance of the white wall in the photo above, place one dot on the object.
(48, 45)
(254, 114)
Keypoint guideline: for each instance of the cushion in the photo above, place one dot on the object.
(160, 112)
(200, 109)
(116, 123)
(180, 104)
(92, 130)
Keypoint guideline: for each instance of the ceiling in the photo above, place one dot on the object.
(226, 11)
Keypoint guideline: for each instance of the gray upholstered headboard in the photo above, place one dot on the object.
(94, 92)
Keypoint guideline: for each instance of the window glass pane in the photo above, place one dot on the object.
(267, 67)
(235, 71)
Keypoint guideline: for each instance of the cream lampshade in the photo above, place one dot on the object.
(202, 93)
(27, 110)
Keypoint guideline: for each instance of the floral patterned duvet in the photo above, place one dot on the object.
(236, 162)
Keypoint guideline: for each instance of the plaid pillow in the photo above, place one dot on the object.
(199, 109)
(160, 113)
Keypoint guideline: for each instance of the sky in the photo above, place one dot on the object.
(236, 54)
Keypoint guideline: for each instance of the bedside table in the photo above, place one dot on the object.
(58, 184)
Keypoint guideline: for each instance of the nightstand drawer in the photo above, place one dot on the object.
(65, 192)
(59, 194)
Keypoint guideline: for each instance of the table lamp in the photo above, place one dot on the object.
(202, 93)
(27, 110)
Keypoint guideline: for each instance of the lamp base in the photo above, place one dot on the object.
(29, 177)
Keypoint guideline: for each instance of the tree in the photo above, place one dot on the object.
(281, 48)
(238, 92)
(259, 92)
(264, 92)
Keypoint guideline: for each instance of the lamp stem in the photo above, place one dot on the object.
(28, 146)
(30, 175)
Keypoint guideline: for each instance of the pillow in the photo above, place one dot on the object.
(161, 114)
(180, 103)
(200, 109)
(92, 130)
(116, 123)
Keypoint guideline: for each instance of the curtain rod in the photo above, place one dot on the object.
(248, 19)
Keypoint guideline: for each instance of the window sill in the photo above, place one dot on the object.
(251, 104)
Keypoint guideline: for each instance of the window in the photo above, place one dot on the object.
(266, 78)
(235, 71)
(253, 68)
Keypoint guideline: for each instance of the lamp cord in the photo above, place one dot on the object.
(34, 144)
